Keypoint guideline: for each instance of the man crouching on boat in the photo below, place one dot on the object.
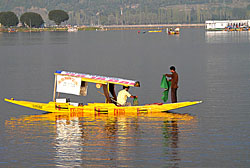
(123, 95)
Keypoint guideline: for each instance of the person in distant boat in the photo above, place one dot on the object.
(174, 83)
(123, 95)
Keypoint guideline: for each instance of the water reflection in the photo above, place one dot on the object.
(68, 143)
(33, 38)
(171, 135)
(218, 37)
(106, 140)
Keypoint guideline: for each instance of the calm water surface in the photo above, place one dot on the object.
(213, 67)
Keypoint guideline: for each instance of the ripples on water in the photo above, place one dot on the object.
(77, 140)
(220, 37)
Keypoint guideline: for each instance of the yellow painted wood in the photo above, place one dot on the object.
(100, 107)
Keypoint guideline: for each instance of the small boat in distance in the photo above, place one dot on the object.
(11, 30)
(77, 84)
(72, 29)
(155, 31)
(172, 31)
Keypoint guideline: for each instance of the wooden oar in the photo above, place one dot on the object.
(135, 101)
(110, 98)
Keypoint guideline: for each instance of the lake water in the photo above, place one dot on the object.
(213, 67)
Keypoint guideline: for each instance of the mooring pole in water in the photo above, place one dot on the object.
(54, 92)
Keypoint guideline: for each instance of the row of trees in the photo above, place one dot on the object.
(31, 19)
(108, 12)
(164, 15)
(103, 12)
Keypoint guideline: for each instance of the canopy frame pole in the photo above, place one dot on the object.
(54, 92)
(108, 90)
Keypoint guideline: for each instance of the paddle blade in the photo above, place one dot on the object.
(135, 102)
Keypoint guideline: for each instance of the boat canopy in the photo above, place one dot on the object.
(77, 84)
(100, 79)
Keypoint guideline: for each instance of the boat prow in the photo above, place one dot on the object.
(29, 104)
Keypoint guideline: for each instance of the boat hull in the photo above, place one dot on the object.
(173, 32)
(155, 31)
(100, 107)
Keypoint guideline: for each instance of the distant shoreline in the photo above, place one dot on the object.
(150, 26)
(103, 27)
(46, 29)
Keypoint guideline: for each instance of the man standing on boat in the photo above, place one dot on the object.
(174, 83)
(123, 95)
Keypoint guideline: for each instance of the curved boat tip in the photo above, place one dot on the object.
(6, 99)
(198, 102)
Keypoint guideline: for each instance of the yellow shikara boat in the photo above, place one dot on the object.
(77, 84)
(155, 31)
(172, 31)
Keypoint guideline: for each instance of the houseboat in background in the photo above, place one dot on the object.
(227, 25)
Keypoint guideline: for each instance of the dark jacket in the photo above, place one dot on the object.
(174, 80)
